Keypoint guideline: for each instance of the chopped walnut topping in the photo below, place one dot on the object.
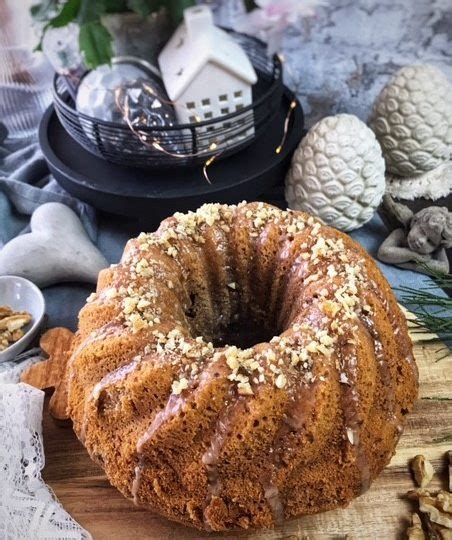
(11, 326)
(129, 304)
(14, 321)
(316, 228)
(331, 271)
(330, 308)
(179, 385)
(137, 322)
(280, 381)
(111, 293)
(289, 358)
(244, 388)
(351, 435)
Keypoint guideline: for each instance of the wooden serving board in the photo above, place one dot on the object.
(381, 513)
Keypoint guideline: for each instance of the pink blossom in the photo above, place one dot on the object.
(272, 17)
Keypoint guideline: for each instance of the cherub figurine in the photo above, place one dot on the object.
(422, 242)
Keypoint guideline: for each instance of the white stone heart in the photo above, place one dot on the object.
(57, 249)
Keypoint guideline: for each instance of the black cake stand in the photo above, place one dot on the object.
(152, 194)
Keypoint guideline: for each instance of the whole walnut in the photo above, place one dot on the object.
(412, 119)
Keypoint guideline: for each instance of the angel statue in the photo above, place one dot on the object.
(421, 243)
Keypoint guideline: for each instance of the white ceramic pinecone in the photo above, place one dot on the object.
(412, 119)
(337, 173)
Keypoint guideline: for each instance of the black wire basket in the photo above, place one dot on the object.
(195, 142)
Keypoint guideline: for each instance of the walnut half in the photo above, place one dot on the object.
(415, 532)
(429, 505)
(423, 471)
(11, 324)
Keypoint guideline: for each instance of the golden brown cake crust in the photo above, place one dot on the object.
(240, 366)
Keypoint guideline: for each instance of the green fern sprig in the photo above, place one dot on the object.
(433, 312)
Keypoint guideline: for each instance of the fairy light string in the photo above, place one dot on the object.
(121, 98)
(155, 144)
(292, 107)
(289, 113)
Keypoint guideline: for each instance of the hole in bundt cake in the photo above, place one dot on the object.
(243, 333)
(191, 311)
(243, 328)
(240, 330)
(227, 308)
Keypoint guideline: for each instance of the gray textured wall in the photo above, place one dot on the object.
(339, 61)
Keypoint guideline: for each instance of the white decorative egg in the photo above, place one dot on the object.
(412, 119)
(337, 173)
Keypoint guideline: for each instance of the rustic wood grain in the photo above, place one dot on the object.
(50, 375)
(380, 513)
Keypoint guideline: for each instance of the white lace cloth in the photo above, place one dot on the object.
(28, 508)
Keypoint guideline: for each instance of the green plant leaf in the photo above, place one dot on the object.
(95, 43)
(432, 310)
(176, 9)
(141, 7)
(38, 47)
(115, 6)
(90, 11)
(68, 13)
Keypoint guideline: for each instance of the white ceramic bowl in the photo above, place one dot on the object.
(22, 295)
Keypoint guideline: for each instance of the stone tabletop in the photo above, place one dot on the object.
(339, 60)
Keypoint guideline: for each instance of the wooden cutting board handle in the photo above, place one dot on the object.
(50, 375)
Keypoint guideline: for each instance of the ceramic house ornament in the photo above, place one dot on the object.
(205, 72)
(337, 173)
(412, 119)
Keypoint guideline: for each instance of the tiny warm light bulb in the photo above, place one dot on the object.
(148, 88)
(208, 163)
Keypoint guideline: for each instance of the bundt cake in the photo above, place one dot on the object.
(240, 366)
